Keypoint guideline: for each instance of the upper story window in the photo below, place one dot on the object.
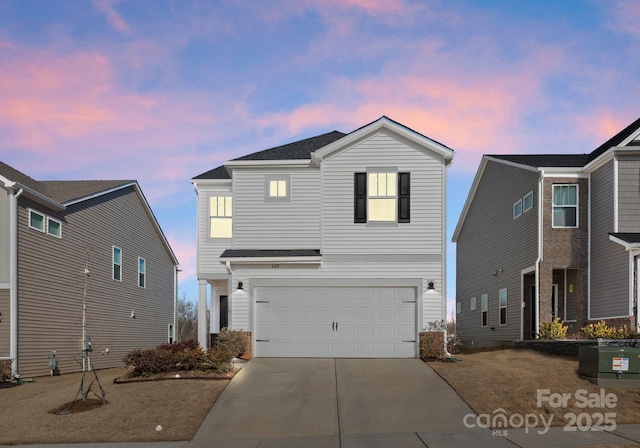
(277, 187)
(117, 263)
(565, 205)
(142, 272)
(472, 305)
(220, 216)
(517, 209)
(36, 220)
(45, 224)
(382, 197)
(527, 202)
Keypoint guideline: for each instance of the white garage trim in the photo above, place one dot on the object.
(336, 317)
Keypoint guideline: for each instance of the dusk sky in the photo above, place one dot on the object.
(161, 91)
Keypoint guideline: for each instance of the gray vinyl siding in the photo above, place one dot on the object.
(423, 235)
(4, 323)
(5, 212)
(263, 224)
(336, 272)
(609, 261)
(491, 239)
(209, 249)
(51, 282)
(628, 196)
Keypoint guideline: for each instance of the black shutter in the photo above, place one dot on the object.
(360, 197)
(404, 202)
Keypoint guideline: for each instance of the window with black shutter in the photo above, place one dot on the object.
(404, 203)
(389, 199)
(360, 198)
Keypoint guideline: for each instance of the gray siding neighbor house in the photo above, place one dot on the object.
(550, 236)
(332, 246)
(50, 232)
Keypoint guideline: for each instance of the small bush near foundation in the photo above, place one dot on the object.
(231, 341)
(601, 330)
(5, 372)
(555, 329)
(432, 342)
(181, 356)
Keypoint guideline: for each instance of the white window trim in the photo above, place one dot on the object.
(267, 190)
(209, 217)
(113, 263)
(49, 219)
(44, 221)
(472, 304)
(500, 307)
(484, 300)
(516, 216)
(577, 206)
(382, 170)
(144, 285)
(524, 209)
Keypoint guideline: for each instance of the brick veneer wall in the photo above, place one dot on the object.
(564, 249)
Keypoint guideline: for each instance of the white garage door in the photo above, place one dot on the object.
(335, 322)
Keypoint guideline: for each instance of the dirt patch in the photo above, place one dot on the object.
(133, 412)
(73, 407)
(510, 380)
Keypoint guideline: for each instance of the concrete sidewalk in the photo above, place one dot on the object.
(353, 403)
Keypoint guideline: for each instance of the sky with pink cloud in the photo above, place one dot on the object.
(161, 91)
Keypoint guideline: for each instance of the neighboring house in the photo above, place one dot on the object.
(333, 246)
(550, 236)
(50, 232)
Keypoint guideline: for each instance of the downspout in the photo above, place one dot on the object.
(13, 280)
(540, 246)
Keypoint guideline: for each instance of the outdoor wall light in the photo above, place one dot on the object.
(498, 271)
(239, 285)
(431, 289)
(133, 314)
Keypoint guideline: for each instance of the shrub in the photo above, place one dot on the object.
(432, 341)
(180, 356)
(232, 341)
(601, 330)
(552, 330)
(5, 372)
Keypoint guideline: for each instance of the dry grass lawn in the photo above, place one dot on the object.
(509, 379)
(132, 412)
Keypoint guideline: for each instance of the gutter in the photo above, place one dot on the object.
(13, 280)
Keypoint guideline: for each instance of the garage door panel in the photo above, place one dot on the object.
(371, 322)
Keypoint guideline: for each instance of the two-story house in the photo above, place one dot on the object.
(332, 246)
(550, 236)
(66, 242)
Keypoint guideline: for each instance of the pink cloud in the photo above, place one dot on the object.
(626, 16)
(107, 7)
(184, 247)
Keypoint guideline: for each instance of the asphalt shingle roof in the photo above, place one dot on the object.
(66, 190)
(546, 160)
(627, 237)
(245, 253)
(18, 176)
(301, 149)
(216, 173)
(615, 140)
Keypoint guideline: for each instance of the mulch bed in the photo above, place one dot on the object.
(185, 375)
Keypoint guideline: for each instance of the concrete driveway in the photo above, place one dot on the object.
(338, 403)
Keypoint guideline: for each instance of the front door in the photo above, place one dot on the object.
(224, 311)
(532, 315)
(554, 303)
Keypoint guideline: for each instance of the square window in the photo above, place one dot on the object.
(458, 307)
(565, 206)
(36, 220)
(54, 228)
(277, 188)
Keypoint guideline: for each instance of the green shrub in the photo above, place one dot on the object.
(180, 356)
(602, 330)
(552, 330)
(232, 341)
